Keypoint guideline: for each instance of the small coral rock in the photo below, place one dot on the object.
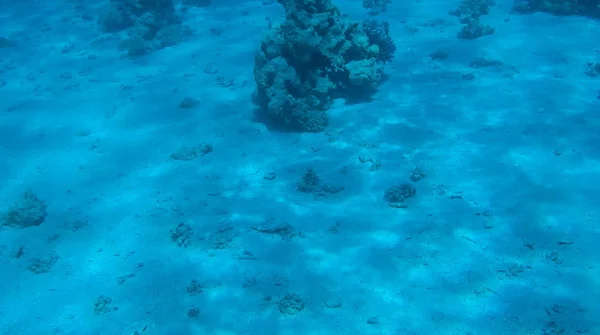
(197, 3)
(398, 194)
(28, 211)
(189, 102)
(190, 153)
(291, 304)
(310, 181)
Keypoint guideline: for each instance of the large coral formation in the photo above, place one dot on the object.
(313, 57)
(589, 8)
(148, 25)
(468, 13)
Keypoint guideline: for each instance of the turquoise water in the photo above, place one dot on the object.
(145, 190)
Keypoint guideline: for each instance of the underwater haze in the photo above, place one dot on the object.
(299, 167)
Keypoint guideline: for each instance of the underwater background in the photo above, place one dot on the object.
(299, 167)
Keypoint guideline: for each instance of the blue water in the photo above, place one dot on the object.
(125, 212)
